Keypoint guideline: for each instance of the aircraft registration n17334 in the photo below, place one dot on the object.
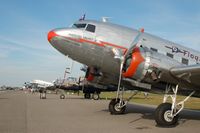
(132, 60)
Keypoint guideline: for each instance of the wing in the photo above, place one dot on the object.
(189, 74)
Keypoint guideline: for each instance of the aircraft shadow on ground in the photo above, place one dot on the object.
(78, 98)
(148, 113)
(67, 98)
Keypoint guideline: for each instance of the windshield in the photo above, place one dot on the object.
(81, 26)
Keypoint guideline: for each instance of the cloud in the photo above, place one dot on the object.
(26, 54)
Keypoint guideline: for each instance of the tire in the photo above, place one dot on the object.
(62, 96)
(87, 96)
(114, 110)
(96, 96)
(162, 116)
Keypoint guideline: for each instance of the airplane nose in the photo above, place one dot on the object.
(51, 35)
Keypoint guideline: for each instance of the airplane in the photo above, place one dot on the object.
(42, 84)
(70, 83)
(132, 60)
(38, 84)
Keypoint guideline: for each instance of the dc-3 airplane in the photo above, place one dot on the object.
(37, 84)
(132, 60)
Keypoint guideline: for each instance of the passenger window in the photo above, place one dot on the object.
(185, 61)
(90, 28)
(170, 55)
(153, 49)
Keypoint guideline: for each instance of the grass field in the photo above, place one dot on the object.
(153, 99)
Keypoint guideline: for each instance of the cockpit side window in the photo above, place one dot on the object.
(90, 28)
(81, 26)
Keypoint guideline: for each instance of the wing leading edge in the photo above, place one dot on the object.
(189, 74)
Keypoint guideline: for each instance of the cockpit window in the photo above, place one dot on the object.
(81, 26)
(90, 28)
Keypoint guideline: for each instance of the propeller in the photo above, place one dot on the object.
(135, 42)
(121, 57)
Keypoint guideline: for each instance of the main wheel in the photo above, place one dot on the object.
(62, 96)
(96, 96)
(87, 95)
(114, 107)
(163, 116)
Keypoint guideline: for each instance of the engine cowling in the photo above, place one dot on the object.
(132, 63)
(89, 75)
(142, 64)
(93, 74)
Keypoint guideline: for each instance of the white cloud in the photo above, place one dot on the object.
(26, 35)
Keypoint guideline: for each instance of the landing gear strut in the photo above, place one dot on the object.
(118, 105)
(167, 114)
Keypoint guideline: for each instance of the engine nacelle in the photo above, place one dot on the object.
(146, 65)
(92, 74)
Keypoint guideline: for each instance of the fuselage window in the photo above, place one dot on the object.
(153, 49)
(81, 26)
(170, 55)
(185, 61)
(90, 28)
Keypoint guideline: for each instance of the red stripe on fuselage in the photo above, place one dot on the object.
(101, 44)
(113, 45)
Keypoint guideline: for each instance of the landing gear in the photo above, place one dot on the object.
(163, 115)
(96, 96)
(166, 114)
(62, 96)
(87, 95)
(116, 107)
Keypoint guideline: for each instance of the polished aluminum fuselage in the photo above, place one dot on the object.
(94, 49)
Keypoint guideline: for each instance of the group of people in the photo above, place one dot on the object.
(43, 93)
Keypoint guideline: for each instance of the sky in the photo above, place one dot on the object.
(25, 53)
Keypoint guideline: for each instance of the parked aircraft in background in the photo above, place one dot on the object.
(134, 60)
(42, 84)
(90, 90)
(37, 84)
(2, 88)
